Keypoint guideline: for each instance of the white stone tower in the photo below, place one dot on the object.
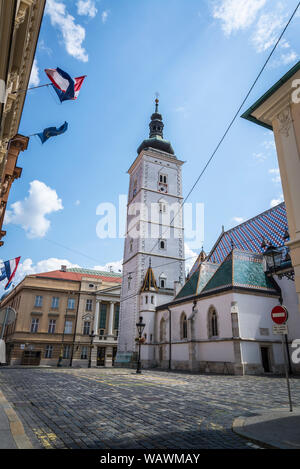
(154, 241)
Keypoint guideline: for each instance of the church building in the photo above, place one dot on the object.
(219, 319)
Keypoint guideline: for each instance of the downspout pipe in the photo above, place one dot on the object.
(170, 339)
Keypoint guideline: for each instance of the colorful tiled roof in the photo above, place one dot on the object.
(76, 274)
(270, 225)
(241, 269)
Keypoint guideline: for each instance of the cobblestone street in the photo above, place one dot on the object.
(117, 409)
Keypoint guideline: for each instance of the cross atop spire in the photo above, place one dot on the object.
(156, 125)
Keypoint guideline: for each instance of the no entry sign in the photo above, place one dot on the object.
(279, 315)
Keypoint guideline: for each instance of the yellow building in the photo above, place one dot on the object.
(279, 110)
(72, 313)
(20, 22)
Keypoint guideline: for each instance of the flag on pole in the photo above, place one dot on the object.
(63, 84)
(8, 271)
(78, 85)
(52, 132)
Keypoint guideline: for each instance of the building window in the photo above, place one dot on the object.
(86, 327)
(162, 207)
(162, 281)
(129, 281)
(163, 178)
(55, 302)
(103, 311)
(213, 329)
(68, 327)
(162, 244)
(34, 325)
(117, 314)
(71, 303)
(146, 300)
(101, 332)
(51, 327)
(48, 351)
(67, 351)
(131, 245)
(152, 300)
(91, 285)
(84, 352)
(38, 301)
(89, 305)
(183, 326)
(162, 331)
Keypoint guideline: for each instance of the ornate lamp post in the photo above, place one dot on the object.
(276, 260)
(92, 335)
(140, 327)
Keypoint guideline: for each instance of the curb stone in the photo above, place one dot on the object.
(16, 427)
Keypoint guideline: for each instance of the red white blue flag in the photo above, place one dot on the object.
(8, 271)
(65, 87)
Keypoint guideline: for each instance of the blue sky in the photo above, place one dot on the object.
(202, 57)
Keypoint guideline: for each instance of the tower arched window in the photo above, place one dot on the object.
(183, 326)
(162, 281)
(213, 326)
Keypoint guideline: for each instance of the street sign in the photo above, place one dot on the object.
(280, 329)
(279, 315)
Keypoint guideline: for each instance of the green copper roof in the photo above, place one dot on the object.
(198, 280)
(94, 272)
(248, 114)
(241, 269)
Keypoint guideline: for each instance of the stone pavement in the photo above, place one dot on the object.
(117, 409)
(278, 428)
(12, 434)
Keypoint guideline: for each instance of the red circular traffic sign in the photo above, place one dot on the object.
(279, 314)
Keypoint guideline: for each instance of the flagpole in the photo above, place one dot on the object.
(29, 89)
(35, 87)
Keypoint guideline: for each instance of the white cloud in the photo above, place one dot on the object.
(34, 76)
(275, 202)
(191, 257)
(269, 144)
(275, 172)
(31, 212)
(73, 34)
(43, 48)
(289, 58)
(268, 29)
(261, 157)
(236, 14)
(238, 220)
(77, 202)
(104, 16)
(86, 8)
(115, 266)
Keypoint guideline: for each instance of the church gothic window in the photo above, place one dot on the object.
(162, 281)
(183, 326)
(213, 329)
(162, 332)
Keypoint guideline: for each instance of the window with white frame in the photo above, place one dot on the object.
(68, 327)
(162, 244)
(86, 327)
(48, 351)
(55, 302)
(38, 301)
(71, 303)
(89, 305)
(34, 325)
(51, 326)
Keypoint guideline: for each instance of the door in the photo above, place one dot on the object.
(114, 355)
(265, 357)
(31, 357)
(100, 356)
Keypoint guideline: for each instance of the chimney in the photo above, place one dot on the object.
(63, 268)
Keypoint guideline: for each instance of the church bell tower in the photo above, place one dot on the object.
(154, 246)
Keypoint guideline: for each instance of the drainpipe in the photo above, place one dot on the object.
(170, 340)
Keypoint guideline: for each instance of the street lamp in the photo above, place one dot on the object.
(140, 327)
(92, 335)
(273, 258)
